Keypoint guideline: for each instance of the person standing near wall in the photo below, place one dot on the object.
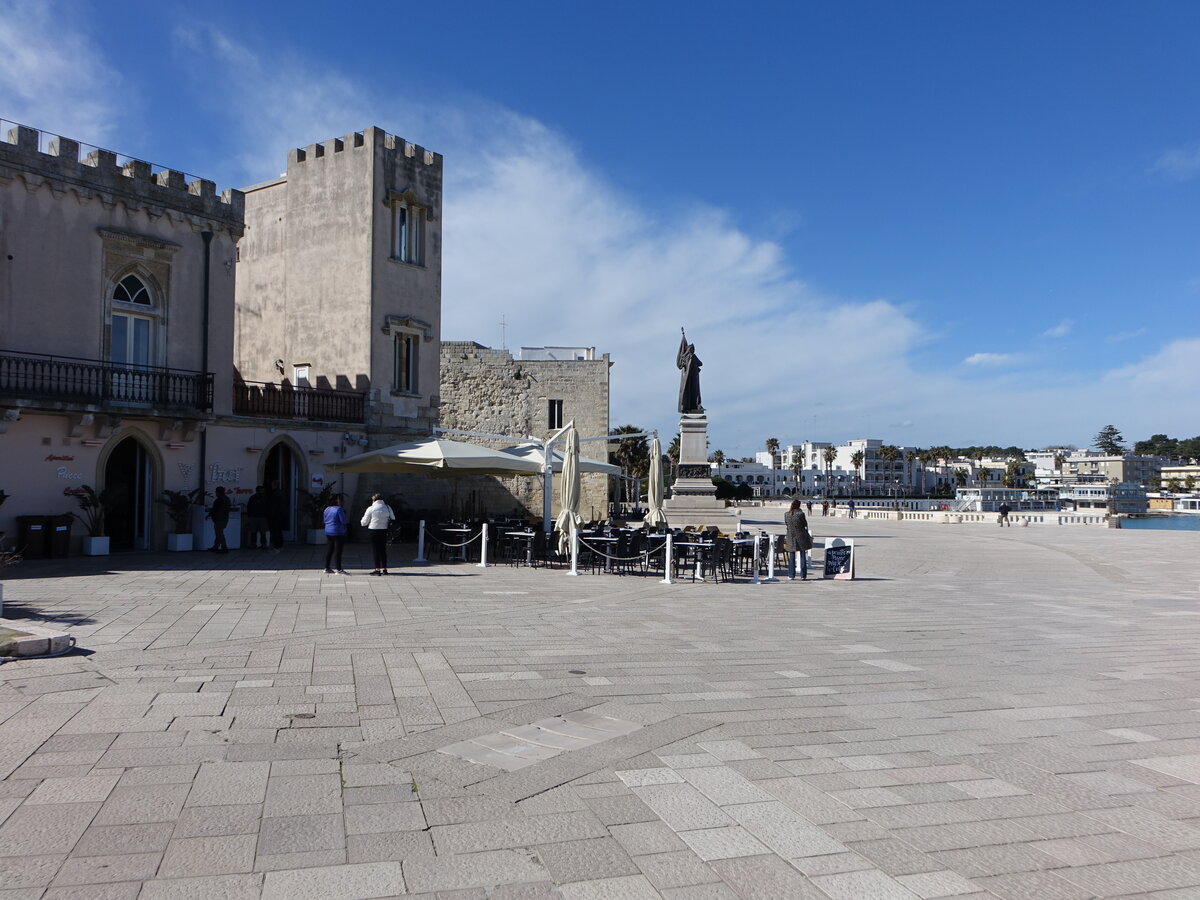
(256, 519)
(376, 520)
(219, 513)
(335, 534)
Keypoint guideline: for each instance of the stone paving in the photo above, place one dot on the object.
(983, 713)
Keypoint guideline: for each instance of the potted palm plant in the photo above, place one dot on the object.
(179, 508)
(95, 507)
(313, 505)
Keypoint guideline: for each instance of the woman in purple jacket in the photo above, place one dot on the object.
(335, 534)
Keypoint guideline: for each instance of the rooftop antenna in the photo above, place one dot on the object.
(503, 333)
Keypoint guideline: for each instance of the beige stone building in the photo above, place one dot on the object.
(128, 361)
(490, 391)
(116, 328)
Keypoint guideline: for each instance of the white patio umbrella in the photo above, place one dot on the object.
(655, 515)
(436, 456)
(535, 453)
(569, 520)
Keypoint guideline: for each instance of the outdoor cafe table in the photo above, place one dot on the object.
(527, 537)
(596, 538)
(462, 531)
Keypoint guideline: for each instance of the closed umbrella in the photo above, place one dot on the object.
(437, 456)
(569, 520)
(655, 515)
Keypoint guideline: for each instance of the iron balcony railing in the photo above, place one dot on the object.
(285, 401)
(97, 382)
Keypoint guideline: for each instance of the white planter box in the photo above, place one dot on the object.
(95, 546)
(178, 542)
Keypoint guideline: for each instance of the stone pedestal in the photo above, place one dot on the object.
(693, 496)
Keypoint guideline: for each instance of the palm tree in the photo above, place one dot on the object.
(772, 448)
(673, 455)
(889, 453)
(911, 458)
(797, 469)
(856, 460)
(961, 475)
(718, 456)
(829, 455)
(984, 474)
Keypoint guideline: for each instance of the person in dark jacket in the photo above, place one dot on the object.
(799, 540)
(335, 534)
(256, 518)
(219, 513)
(276, 515)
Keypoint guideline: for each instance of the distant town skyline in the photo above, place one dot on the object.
(939, 223)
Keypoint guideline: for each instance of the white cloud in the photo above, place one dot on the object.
(53, 77)
(988, 359)
(1178, 164)
(1121, 336)
(1062, 329)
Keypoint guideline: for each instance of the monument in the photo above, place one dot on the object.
(693, 498)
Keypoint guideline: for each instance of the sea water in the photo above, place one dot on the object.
(1170, 523)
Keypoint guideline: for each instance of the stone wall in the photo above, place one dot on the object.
(486, 390)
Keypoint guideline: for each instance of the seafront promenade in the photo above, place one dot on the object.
(984, 712)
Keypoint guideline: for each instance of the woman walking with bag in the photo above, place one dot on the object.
(376, 520)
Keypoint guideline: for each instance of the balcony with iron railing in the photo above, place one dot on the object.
(39, 378)
(286, 401)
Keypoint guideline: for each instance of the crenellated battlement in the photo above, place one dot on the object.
(375, 137)
(67, 163)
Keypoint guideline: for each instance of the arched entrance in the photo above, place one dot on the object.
(129, 483)
(281, 470)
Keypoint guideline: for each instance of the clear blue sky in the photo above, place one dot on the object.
(925, 222)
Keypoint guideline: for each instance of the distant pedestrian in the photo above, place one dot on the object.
(276, 516)
(256, 519)
(809, 506)
(376, 520)
(799, 540)
(824, 507)
(335, 535)
(850, 510)
(219, 513)
(1005, 509)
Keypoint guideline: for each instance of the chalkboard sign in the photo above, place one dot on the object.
(839, 559)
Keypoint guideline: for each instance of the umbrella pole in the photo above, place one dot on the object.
(574, 551)
(667, 549)
(755, 579)
(483, 564)
(421, 543)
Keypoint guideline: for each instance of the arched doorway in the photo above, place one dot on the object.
(281, 470)
(129, 482)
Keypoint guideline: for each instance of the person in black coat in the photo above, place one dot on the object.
(799, 540)
(219, 513)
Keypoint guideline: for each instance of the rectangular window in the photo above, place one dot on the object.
(555, 417)
(406, 363)
(408, 232)
(130, 340)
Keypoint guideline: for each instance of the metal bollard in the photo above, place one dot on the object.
(668, 550)
(574, 551)
(421, 543)
(483, 563)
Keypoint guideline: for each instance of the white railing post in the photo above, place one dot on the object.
(483, 564)
(771, 559)
(668, 549)
(574, 551)
(421, 543)
(756, 579)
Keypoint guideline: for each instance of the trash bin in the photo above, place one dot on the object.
(58, 535)
(32, 536)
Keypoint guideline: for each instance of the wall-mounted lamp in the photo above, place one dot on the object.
(254, 449)
(176, 445)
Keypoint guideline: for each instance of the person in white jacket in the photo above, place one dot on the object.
(376, 519)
